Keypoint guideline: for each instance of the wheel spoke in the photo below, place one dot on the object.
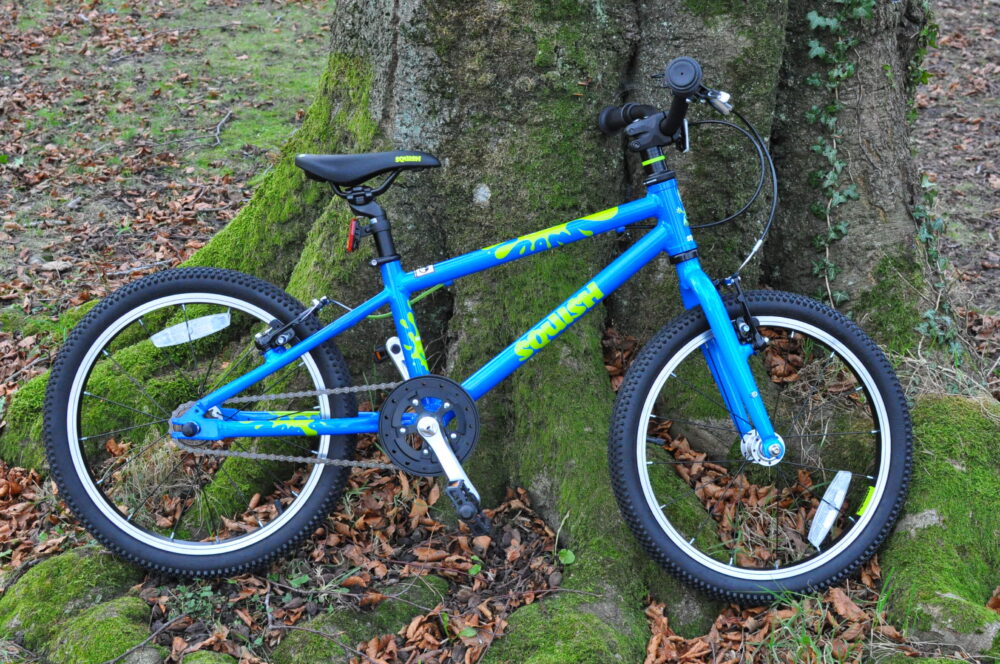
(121, 467)
(869, 432)
(111, 433)
(170, 357)
(709, 398)
(239, 361)
(150, 492)
(117, 403)
(700, 425)
(122, 370)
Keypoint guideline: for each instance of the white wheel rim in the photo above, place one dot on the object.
(101, 502)
(824, 557)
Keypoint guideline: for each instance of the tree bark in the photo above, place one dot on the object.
(877, 265)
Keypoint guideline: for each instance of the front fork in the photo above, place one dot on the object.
(727, 360)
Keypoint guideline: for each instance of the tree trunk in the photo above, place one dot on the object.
(853, 241)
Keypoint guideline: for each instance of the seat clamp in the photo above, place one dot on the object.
(379, 260)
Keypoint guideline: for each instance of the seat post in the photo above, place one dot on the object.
(362, 202)
(384, 246)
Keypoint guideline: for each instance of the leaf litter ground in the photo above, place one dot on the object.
(125, 146)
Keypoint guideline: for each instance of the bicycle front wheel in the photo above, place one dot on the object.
(167, 339)
(739, 530)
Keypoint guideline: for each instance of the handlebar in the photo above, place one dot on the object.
(683, 77)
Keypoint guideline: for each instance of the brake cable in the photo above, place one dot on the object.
(763, 155)
(760, 180)
(759, 142)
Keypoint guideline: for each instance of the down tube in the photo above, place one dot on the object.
(574, 307)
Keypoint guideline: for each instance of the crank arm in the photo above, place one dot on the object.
(430, 430)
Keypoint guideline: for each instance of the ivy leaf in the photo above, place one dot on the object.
(566, 557)
(468, 632)
(864, 10)
(816, 21)
(816, 50)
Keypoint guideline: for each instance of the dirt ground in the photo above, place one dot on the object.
(956, 138)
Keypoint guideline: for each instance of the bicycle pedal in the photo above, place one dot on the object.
(480, 524)
(464, 500)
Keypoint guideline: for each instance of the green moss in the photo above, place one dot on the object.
(351, 627)
(55, 590)
(888, 310)
(557, 632)
(546, 55)
(951, 511)
(21, 439)
(53, 329)
(207, 657)
(103, 632)
(277, 220)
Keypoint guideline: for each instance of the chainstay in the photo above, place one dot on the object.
(263, 456)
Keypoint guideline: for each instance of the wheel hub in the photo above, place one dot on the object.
(753, 449)
(419, 398)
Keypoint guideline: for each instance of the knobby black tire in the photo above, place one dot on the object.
(228, 283)
(624, 456)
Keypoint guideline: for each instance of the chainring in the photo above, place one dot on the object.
(439, 397)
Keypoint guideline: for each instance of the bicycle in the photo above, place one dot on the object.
(760, 442)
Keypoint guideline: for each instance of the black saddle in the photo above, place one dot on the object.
(353, 169)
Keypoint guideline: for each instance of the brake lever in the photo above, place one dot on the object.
(719, 101)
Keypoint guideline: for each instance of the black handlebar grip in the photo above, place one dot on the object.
(683, 75)
(613, 119)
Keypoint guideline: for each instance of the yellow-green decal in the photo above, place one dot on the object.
(539, 336)
(406, 158)
(304, 426)
(868, 499)
(550, 237)
(415, 347)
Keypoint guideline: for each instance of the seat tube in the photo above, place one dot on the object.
(404, 320)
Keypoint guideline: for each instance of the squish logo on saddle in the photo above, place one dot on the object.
(539, 336)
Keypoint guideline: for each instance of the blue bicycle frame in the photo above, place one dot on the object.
(725, 354)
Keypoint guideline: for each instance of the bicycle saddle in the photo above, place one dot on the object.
(353, 169)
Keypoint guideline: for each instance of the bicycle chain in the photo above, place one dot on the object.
(262, 456)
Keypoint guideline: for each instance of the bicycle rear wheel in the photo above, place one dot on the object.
(162, 341)
(742, 531)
